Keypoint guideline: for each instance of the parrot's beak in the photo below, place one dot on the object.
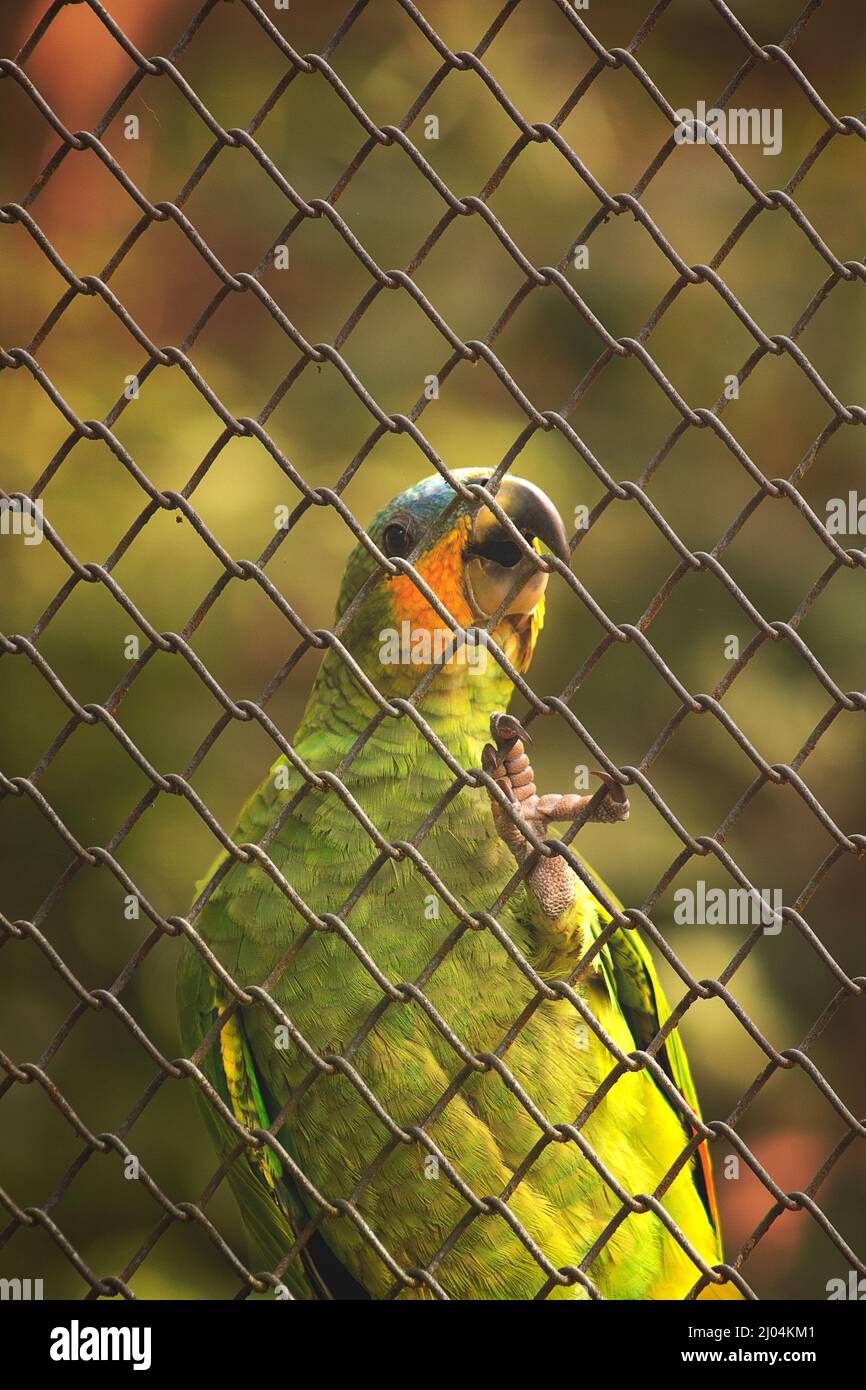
(494, 563)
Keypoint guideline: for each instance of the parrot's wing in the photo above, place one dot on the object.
(270, 1199)
(643, 1003)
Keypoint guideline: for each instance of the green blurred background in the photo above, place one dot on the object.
(320, 424)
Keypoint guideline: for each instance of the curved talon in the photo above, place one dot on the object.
(614, 805)
(489, 758)
(615, 789)
(505, 726)
(494, 766)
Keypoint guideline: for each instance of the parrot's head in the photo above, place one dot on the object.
(470, 562)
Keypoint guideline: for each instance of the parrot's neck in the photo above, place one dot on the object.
(457, 706)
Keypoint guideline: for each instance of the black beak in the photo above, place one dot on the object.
(532, 513)
(492, 554)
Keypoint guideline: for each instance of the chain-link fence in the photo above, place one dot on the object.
(49, 821)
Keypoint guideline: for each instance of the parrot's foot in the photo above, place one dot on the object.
(507, 762)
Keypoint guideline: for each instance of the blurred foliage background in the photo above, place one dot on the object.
(624, 417)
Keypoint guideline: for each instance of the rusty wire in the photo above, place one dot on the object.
(317, 67)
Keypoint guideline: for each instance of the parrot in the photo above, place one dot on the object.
(399, 1170)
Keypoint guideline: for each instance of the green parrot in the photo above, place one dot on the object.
(407, 1212)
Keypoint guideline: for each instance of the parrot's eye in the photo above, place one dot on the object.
(396, 539)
